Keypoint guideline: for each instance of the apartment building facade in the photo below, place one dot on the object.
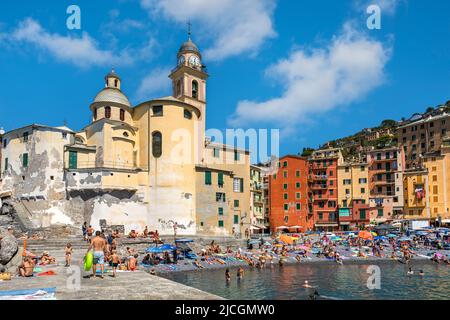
(323, 188)
(385, 183)
(288, 193)
(353, 195)
(422, 134)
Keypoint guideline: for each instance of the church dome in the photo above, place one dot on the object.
(189, 46)
(112, 95)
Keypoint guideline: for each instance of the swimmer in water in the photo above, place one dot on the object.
(227, 275)
(314, 295)
(307, 285)
(240, 273)
(421, 273)
(410, 272)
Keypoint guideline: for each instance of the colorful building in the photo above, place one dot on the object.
(257, 203)
(422, 134)
(353, 195)
(416, 186)
(385, 184)
(323, 188)
(288, 192)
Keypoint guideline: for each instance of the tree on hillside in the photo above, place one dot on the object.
(388, 123)
(307, 152)
(429, 109)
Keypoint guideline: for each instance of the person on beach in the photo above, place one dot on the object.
(98, 244)
(84, 229)
(421, 273)
(90, 232)
(227, 275)
(26, 268)
(115, 261)
(132, 263)
(145, 233)
(68, 252)
(410, 272)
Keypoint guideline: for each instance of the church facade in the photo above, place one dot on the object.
(145, 165)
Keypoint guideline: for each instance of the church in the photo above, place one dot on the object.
(132, 166)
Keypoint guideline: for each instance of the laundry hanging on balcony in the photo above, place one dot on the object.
(420, 193)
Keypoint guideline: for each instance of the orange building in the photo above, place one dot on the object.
(288, 193)
(323, 188)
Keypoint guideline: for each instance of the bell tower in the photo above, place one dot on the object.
(189, 77)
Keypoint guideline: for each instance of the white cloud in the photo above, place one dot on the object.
(81, 51)
(319, 80)
(155, 83)
(235, 26)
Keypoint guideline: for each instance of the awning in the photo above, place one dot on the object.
(344, 223)
(326, 224)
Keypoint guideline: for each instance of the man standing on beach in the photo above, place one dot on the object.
(99, 245)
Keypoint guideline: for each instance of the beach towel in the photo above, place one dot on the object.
(31, 294)
(47, 273)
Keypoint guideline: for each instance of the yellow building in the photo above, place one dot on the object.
(151, 164)
(438, 167)
(352, 183)
(416, 197)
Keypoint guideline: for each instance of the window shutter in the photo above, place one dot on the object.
(25, 159)
(242, 185)
(220, 179)
(208, 177)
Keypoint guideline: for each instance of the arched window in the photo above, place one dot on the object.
(122, 115)
(194, 89)
(156, 144)
(107, 112)
(95, 114)
(116, 82)
(187, 114)
(178, 93)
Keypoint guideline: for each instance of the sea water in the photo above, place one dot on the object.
(346, 282)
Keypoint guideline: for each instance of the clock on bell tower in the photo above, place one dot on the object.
(189, 77)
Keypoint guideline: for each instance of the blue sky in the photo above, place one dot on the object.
(309, 68)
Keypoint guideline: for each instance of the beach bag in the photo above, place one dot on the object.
(5, 276)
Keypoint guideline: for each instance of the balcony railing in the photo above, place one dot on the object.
(80, 165)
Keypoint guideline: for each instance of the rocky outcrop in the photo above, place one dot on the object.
(8, 247)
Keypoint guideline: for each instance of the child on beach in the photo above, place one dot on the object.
(68, 251)
(115, 261)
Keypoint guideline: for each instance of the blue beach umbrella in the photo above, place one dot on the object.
(154, 250)
(391, 235)
(167, 247)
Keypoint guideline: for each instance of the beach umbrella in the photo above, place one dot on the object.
(267, 243)
(391, 235)
(336, 239)
(404, 239)
(374, 234)
(286, 239)
(282, 227)
(154, 250)
(365, 235)
(167, 247)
